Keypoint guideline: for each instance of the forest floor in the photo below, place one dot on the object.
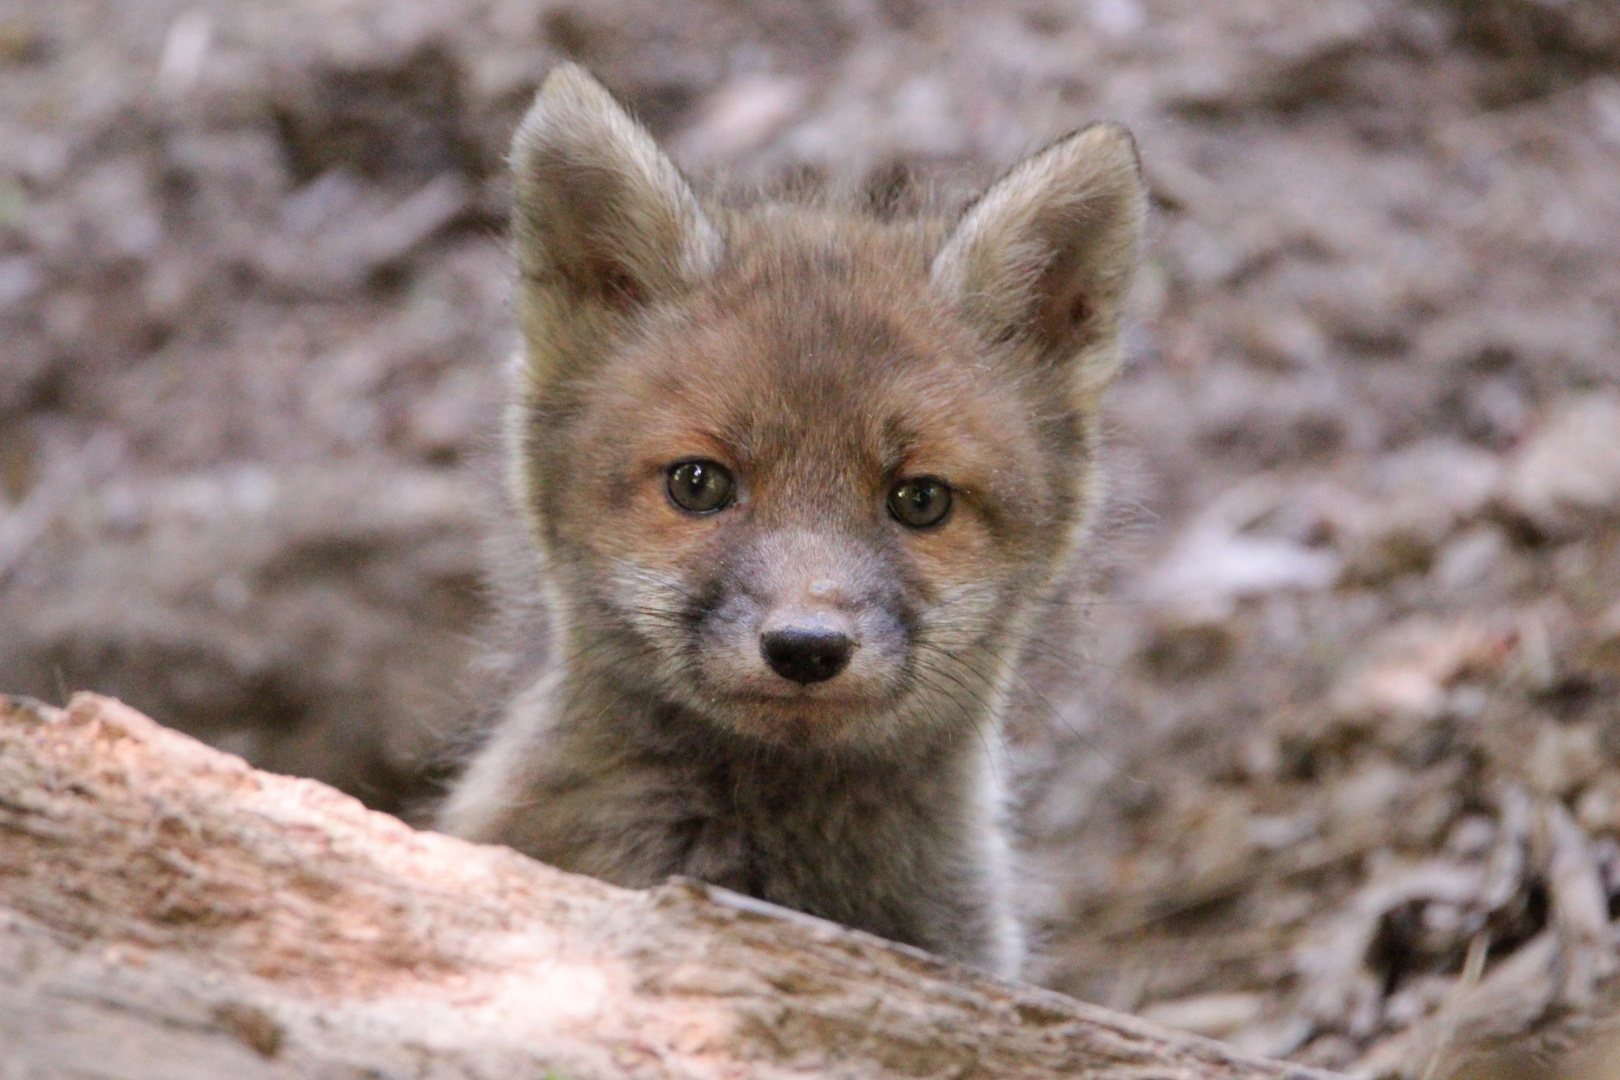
(1345, 783)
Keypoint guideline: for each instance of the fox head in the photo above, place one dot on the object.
(796, 470)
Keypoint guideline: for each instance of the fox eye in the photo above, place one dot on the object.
(920, 503)
(700, 487)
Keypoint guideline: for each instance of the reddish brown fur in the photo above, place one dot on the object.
(759, 372)
(821, 357)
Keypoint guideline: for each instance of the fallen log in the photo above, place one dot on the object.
(168, 912)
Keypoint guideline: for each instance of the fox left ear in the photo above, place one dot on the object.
(1046, 257)
(603, 221)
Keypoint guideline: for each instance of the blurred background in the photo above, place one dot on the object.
(1344, 782)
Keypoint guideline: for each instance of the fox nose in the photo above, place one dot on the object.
(806, 653)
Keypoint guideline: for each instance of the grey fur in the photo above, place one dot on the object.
(817, 352)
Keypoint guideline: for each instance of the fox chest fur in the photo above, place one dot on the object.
(797, 482)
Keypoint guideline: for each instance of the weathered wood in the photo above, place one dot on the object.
(167, 911)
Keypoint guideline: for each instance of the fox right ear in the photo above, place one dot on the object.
(1045, 259)
(602, 218)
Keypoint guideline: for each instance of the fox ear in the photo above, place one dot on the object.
(1046, 257)
(601, 217)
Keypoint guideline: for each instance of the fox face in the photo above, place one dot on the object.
(804, 506)
(795, 470)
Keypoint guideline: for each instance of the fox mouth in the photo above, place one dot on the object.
(819, 714)
(805, 722)
(808, 698)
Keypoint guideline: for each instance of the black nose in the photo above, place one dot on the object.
(806, 654)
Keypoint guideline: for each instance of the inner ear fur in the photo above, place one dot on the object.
(1046, 257)
(601, 215)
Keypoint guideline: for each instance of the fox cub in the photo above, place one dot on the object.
(797, 481)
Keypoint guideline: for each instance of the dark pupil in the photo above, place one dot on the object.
(699, 486)
(920, 503)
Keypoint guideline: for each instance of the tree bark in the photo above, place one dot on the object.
(168, 912)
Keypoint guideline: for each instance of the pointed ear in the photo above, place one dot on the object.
(1046, 257)
(601, 214)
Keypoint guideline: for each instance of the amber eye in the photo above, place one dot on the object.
(701, 487)
(920, 503)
